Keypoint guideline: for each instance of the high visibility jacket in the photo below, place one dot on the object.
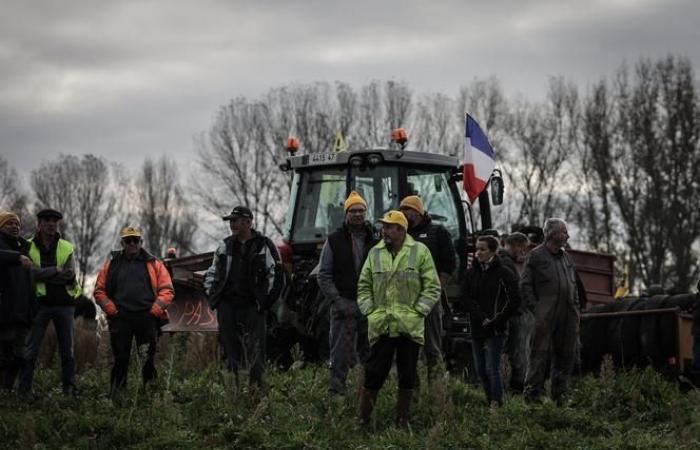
(161, 283)
(396, 293)
(64, 250)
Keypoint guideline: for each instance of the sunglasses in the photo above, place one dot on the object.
(131, 240)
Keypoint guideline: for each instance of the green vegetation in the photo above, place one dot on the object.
(205, 408)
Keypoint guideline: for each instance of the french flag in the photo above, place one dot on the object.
(479, 160)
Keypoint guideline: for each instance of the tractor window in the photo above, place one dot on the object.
(433, 189)
(379, 186)
(319, 204)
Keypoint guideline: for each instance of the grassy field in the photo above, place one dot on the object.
(203, 407)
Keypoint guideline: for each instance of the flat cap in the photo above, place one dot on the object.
(49, 214)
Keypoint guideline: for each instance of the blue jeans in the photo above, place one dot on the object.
(62, 317)
(487, 360)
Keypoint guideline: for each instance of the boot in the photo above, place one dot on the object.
(368, 398)
(403, 407)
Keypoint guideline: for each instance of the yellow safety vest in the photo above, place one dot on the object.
(63, 251)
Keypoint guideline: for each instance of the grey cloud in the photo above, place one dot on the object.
(127, 79)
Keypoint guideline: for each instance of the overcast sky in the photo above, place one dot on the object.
(128, 79)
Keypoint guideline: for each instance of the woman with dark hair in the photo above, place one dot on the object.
(490, 296)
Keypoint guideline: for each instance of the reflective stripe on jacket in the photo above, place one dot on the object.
(64, 250)
(161, 283)
(396, 293)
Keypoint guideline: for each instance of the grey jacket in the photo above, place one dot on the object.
(548, 280)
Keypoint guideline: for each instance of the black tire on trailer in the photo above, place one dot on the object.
(649, 338)
(666, 332)
(593, 339)
(685, 302)
(614, 333)
(625, 333)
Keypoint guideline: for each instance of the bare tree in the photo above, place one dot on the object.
(162, 209)
(12, 196)
(79, 187)
(647, 161)
(238, 165)
(543, 137)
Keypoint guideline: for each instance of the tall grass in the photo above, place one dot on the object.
(194, 404)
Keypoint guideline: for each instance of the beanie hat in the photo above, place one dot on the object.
(6, 216)
(395, 217)
(354, 199)
(414, 202)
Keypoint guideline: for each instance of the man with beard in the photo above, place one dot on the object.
(342, 257)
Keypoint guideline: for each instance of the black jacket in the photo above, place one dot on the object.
(17, 292)
(439, 242)
(490, 293)
(261, 265)
(344, 274)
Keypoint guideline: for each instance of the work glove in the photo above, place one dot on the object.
(158, 312)
(110, 309)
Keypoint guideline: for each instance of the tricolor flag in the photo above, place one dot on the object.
(479, 160)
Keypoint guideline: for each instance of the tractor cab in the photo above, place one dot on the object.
(382, 176)
(321, 182)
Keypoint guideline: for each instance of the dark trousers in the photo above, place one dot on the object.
(487, 360)
(242, 332)
(12, 341)
(62, 318)
(433, 337)
(381, 356)
(517, 347)
(554, 350)
(123, 328)
(348, 341)
(695, 365)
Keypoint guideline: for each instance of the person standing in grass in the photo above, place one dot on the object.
(397, 289)
(56, 290)
(134, 289)
(244, 280)
(520, 324)
(491, 296)
(549, 289)
(17, 298)
(438, 240)
(342, 257)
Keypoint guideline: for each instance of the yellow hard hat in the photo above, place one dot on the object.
(395, 217)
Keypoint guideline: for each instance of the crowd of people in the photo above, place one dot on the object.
(386, 289)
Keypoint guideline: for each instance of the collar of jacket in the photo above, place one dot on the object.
(407, 243)
(39, 242)
(118, 254)
(494, 263)
(253, 235)
(16, 243)
(423, 225)
(367, 228)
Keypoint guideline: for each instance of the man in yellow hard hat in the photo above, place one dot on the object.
(398, 287)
